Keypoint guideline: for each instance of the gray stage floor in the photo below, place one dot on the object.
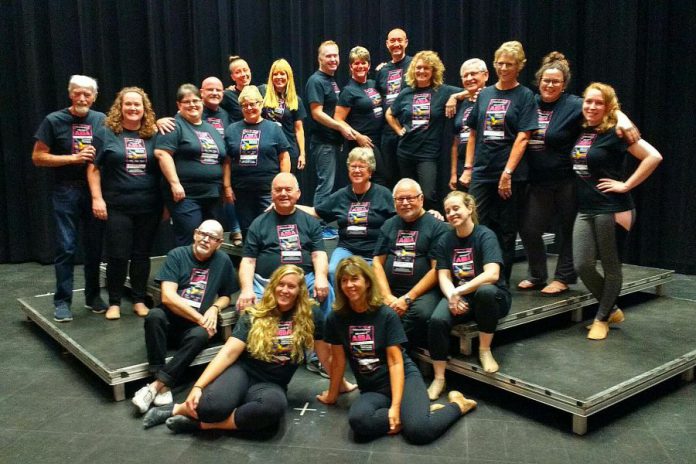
(55, 411)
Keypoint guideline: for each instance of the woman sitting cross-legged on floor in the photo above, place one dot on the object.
(244, 386)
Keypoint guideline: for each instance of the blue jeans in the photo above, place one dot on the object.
(250, 204)
(324, 156)
(188, 214)
(339, 254)
(260, 284)
(231, 218)
(72, 204)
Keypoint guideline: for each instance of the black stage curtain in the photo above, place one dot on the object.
(643, 48)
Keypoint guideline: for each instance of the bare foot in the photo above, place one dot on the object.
(347, 387)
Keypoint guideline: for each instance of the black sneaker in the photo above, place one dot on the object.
(315, 366)
(97, 306)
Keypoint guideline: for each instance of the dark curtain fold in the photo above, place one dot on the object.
(643, 48)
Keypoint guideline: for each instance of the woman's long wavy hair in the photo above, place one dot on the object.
(354, 266)
(271, 100)
(114, 120)
(265, 316)
(611, 105)
(431, 59)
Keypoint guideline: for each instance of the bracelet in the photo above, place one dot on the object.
(215, 306)
(197, 386)
(468, 168)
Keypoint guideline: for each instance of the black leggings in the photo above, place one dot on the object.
(129, 236)
(486, 305)
(369, 414)
(256, 405)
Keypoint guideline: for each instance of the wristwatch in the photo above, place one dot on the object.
(408, 299)
(508, 172)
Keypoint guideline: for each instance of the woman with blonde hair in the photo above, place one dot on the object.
(283, 106)
(244, 386)
(469, 265)
(417, 115)
(606, 211)
(393, 397)
(495, 171)
(124, 182)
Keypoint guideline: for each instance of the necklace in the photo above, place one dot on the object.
(360, 198)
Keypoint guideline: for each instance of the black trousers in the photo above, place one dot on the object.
(163, 329)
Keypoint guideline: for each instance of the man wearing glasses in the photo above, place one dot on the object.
(404, 264)
(196, 282)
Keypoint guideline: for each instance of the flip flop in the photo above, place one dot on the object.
(527, 284)
(237, 240)
(554, 288)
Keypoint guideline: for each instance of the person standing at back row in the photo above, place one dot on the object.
(327, 137)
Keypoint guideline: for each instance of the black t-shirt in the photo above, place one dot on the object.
(365, 338)
(255, 152)
(274, 239)
(359, 217)
(322, 89)
(219, 119)
(498, 116)
(461, 130)
(465, 257)
(130, 174)
(422, 112)
(548, 151)
(199, 282)
(596, 156)
(409, 247)
(286, 119)
(230, 102)
(65, 134)
(282, 368)
(198, 152)
(391, 79)
(366, 112)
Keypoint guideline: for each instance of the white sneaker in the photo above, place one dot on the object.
(163, 398)
(143, 399)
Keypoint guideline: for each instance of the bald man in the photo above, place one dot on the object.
(196, 282)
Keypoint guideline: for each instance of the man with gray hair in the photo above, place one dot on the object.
(64, 142)
(404, 263)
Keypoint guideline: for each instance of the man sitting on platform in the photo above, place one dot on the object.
(196, 282)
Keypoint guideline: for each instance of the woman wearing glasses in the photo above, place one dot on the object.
(258, 151)
(501, 122)
(191, 158)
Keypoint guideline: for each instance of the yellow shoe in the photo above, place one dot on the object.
(436, 406)
(617, 317)
(599, 330)
(436, 388)
(113, 313)
(488, 361)
(140, 309)
(465, 404)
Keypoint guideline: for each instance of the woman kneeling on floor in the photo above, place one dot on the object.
(469, 263)
(392, 398)
(244, 386)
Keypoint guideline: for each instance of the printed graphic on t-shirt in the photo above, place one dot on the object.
(217, 124)
(362, 348)
(376, 100)
(209, 149)
(195, 291)
(249, 148)
(421, 111)
(81, 137)
(405, 252)
(494, 125)
(136, 157)
(465, 130)
(393, 84)
(282, 343)
(276, 114)
(290, 246)
(357, 219)
(463, 265)
(579, 155)
(536, 141)
(335, 88)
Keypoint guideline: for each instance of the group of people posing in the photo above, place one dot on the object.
(400, 277)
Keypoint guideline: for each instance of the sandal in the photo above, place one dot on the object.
(554, 288)
(236, 239)
(527, 284)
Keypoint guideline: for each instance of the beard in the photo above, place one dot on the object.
(80, 110)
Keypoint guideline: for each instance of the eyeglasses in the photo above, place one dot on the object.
(250, 104)
(355, 167)
(552, 82)
(207, 235)
(502, 64)
(407, 198)
(471, 73)
(194, 101)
